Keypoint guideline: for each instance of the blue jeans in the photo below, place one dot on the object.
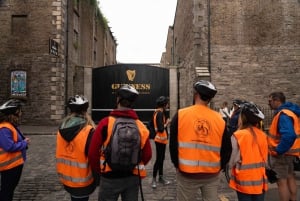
(250, 197)
(111, 188)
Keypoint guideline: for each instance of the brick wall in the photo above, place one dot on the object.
(254, 48)
(26, 27)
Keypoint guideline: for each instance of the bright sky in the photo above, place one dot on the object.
(140, 27)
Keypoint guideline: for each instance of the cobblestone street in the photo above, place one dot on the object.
(39, 181)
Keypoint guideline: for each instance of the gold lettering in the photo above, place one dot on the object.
(137, 86)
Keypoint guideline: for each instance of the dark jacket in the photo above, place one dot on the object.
(233, 122)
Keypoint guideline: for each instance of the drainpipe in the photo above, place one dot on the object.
(67, 58)
(177, 68)
(208, 36)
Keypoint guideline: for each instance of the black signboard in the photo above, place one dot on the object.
(53, 47)
(150, 81)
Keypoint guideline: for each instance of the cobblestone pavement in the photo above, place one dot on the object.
(39, 181)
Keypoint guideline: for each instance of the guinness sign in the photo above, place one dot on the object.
(150, 81)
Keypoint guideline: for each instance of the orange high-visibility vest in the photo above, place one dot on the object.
(200, 131)
(160, 137)
(9, 160)
(250, 177)
(71, 162)
(274, 136)
(140, 169)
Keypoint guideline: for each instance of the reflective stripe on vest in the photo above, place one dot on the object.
(200, 132)
(72, 179)
(274, 136)
(160, 137)
(144, 136)
(9, 160)
(249, 175)
(71, 163)
(250, 183)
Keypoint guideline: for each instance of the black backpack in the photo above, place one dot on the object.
(122, 153)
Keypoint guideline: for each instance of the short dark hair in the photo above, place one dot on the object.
(126, 103)
(278, 95)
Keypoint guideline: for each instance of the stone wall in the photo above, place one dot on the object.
(255, 49)
(26, 27)
(250, 48)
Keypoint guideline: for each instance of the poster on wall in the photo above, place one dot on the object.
(18, 83)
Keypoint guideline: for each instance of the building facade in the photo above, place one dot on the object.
(246, 48)
(48, 50)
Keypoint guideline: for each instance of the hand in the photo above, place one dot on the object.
(168, 122)
(27, 140)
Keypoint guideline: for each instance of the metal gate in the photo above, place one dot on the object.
(150, 81)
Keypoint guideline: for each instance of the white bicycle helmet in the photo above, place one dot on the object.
(206, 89)
(11, 106)
(78, 103)
(127, 92)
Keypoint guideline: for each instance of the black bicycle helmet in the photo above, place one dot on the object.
(206, 89)
(78, 103)
(128, 93)
(11, 106)
(162, 101)
(238, 102)
(252, 112)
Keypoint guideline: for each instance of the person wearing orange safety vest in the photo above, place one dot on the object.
(13, 147)
(119, 183)
(199, 146)
(284, 144)
(72, 144)
(249, 156)
(160, 122)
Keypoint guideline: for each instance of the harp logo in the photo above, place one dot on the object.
(130, 74)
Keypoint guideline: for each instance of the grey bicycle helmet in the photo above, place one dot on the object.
(252, 112)
(128, 93)
(11, 106)
(206, 89)
(78, 103)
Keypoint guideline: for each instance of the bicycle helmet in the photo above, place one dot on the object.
(162, 101)
(252, 113)
(78, 103)
(11, 106)
(238, 102)
(127, 92)
(206, 89)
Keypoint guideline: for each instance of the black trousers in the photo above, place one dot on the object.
(160, 157)
(9, 181)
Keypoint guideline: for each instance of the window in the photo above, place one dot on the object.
(19, 25)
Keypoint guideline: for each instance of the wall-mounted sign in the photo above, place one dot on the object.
(53, 47)
(18, 83)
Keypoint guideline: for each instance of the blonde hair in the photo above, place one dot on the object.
(85, 116)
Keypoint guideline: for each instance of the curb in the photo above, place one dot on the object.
(38, 130)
